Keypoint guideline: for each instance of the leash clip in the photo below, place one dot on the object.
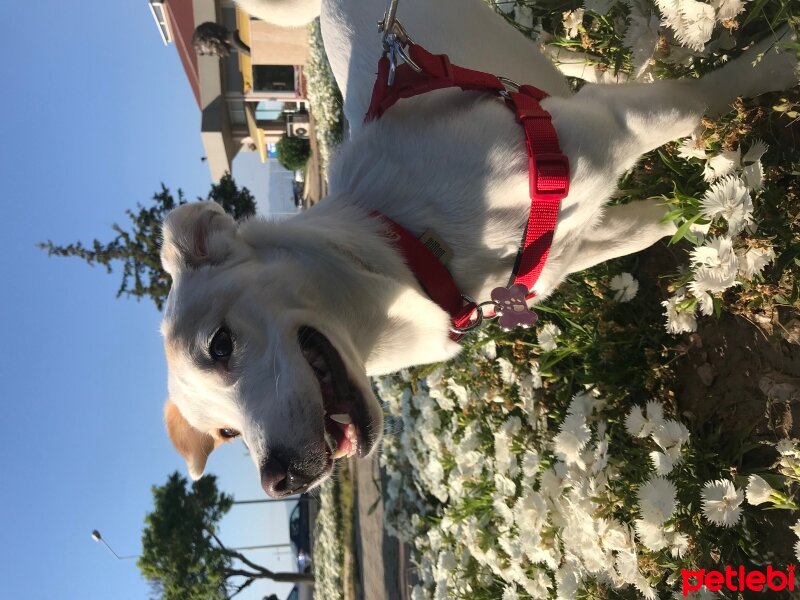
(510, 85)
(395, 41)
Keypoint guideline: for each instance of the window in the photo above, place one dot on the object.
(273, 78)
(160, 16)
(269, 110)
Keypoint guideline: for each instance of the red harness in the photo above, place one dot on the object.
(548, 173)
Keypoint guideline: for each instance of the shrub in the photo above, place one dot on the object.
(293, 152)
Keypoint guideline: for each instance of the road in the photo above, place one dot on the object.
(381, 561)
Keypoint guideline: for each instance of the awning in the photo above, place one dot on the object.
(245, 64)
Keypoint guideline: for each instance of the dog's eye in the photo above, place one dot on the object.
(229, 434)
(221, 346)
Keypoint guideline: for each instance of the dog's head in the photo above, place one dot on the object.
(254, 351)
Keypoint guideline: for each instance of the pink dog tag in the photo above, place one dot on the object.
(512, 307)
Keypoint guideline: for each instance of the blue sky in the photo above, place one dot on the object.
(96, 112)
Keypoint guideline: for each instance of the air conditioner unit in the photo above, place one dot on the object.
(297, 125)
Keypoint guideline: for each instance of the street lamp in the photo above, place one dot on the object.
(99, 538)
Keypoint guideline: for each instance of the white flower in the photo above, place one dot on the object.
(624, 286)
(572, 21)
(717, 266)
(753, 260)
(536, 376)
(574, 435)
(696, 24)
(755, 152)
(692, 147)
(636, 424)
(730, 199)
(655, 412)
(717, 252)
(727, 9)
(758, 491)
(507, 371)
(721, 165)
(505, 486)
(680, 545)
(510, 593)
(705, 302)
(489, 350)
(662, 463)
(670, 436)
(797, 550)
(530, 463)
(651, 534)
(753, 176)
(722, 502)
(679, 320)
(547, 336)
(657, 499)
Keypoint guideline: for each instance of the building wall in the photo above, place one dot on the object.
(274, 45)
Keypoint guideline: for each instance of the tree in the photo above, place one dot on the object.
(182, 555)
(293, 152)
(139, 249)
(212, 39)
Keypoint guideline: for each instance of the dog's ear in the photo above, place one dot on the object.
(195, 234)
(193, 445)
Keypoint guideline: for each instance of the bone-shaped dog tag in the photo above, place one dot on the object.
(512, 307)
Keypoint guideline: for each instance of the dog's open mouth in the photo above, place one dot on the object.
(347, 425)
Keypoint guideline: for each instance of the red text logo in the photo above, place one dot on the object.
(738, 580)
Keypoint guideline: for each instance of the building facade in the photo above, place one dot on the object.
(246, 102)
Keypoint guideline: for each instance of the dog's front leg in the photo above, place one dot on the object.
(616, 124)
(623, 229)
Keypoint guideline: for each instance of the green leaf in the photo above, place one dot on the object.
(754, 12)
(667, 160)
(683, 229)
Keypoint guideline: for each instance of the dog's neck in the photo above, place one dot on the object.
(371, 296)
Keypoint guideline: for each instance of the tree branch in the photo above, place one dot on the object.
(241, 587)
(263, 573)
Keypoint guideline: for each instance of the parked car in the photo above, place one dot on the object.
(298, 187)
(300, 534)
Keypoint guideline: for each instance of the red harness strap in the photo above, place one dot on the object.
(548, 171)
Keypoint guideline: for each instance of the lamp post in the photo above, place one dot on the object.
(99, 538)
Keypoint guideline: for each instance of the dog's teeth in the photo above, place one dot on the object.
(340, 452)
(342, 418)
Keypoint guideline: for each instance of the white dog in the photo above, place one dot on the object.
(272, 329)
(288, 13)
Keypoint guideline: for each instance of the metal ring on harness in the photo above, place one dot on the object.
(479, 310)
(510, 85)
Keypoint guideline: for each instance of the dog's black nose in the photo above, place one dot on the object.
(280, 478)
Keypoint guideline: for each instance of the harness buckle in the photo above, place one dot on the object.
(550, 166)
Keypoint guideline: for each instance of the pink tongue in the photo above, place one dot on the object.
(345, 446)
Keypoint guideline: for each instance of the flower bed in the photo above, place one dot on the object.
(558, 463)
(324, 97)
